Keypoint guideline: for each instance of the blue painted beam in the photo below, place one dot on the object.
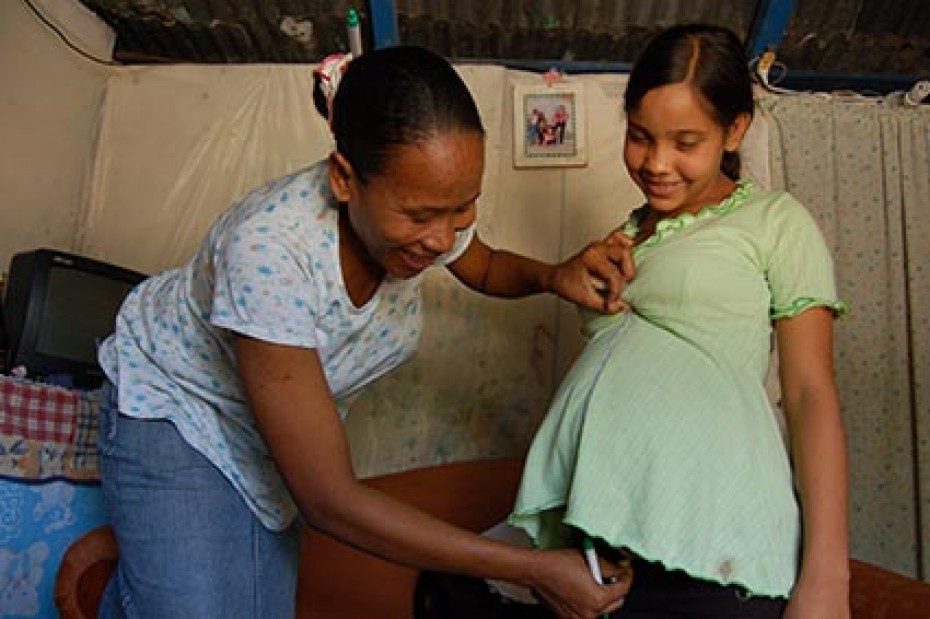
(866, 83)
(769, 26)
(384, 29)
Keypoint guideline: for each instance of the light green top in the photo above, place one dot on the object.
(661, 438)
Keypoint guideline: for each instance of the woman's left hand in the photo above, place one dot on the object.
(596, 276)
(819, 600)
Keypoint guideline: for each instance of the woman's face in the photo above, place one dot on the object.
(407, 216)
(674, 147)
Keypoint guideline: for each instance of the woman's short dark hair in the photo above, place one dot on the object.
(393, 97)
(710, 58)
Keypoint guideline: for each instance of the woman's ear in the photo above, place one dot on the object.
(736, 132)
(340, 172)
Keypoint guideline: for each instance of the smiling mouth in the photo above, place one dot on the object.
(416, 261)
(660, 189)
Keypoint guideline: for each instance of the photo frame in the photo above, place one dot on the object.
(550, 127)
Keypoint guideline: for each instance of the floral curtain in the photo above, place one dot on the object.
(864, 171)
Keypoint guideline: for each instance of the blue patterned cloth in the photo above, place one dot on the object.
(38, 521)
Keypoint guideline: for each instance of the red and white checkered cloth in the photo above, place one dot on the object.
(37, 412)
(47, 432)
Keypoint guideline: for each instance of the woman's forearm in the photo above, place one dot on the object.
(820, 466)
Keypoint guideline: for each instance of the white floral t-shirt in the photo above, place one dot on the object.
(269, 268)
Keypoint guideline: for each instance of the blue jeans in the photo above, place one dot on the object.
(188, 544)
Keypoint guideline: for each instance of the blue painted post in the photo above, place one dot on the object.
(769, 26)
(384, 29)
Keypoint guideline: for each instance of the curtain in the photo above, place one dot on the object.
(863, 169)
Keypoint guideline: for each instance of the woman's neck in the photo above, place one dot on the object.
(651, 218)
(361, 274)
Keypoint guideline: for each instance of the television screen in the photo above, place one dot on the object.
(71, 333)
(59, 307)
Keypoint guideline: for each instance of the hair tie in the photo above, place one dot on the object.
(331, 70)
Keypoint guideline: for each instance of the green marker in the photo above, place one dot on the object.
(590, 555)
(354, 25)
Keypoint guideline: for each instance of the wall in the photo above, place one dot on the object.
(49, 108)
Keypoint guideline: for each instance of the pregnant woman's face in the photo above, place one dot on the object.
(674, 148)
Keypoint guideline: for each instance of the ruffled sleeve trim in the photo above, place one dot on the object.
(801, 304)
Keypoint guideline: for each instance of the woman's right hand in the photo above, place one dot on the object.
(596, 277)
(564, 582)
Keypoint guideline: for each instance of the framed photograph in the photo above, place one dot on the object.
(549, 125)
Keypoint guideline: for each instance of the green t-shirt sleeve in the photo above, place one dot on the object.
(800, 267)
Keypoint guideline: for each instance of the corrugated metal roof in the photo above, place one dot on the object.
(859, 36)
(837, 36)
(223, 31)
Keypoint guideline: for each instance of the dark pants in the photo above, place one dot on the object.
(657, 593)
(449, 596)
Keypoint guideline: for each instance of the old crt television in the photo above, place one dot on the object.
(58, 307)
